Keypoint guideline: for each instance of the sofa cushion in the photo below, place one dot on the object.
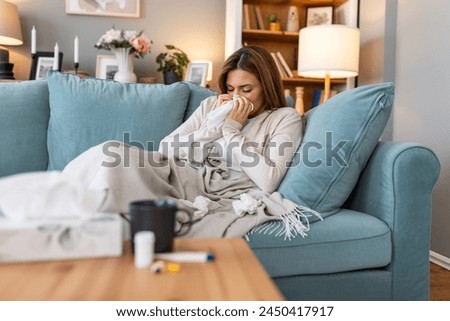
(346, 241)
(86, 112)
(340, 136)
(24, 113)
(198, 94)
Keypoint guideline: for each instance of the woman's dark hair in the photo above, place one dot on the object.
(259, 62)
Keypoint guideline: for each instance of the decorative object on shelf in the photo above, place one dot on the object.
(319, 16)
(79, 73)
(116, 8)
(44, 61)
(76, 54)
(172, 63)
(126, 45)
(197, 72)
(125, 62)
(56, 65)
(147, 80)
(10, 35)
(328, 51)
(293, 24)
(106, 67)
(274, 23)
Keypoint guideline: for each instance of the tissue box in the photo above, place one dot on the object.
(98, 235)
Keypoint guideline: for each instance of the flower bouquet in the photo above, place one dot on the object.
(138, 43)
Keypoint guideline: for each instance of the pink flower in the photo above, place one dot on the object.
(140, 44)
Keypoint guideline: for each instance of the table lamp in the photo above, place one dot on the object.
(10, 35)
(328, 51)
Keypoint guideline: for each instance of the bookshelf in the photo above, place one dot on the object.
(248, 30)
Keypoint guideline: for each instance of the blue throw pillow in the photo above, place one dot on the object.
(340, 136)
(87, 111)
(24, 113)
(198, 94)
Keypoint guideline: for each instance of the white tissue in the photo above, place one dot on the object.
(204, 205)
(217, 116)
(47, 195)
(246, 204)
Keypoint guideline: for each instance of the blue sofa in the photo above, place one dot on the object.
(373, 243)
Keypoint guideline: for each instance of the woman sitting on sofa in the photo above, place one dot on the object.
(222, 165)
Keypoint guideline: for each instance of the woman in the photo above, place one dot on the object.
(222, 164)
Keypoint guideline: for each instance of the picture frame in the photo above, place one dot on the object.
(113, 8)
(197, 72)
(319, 16)
(42, 63)
(106, 67)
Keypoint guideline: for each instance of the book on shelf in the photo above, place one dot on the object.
(246, 17)
(283, 62)
(318, 97)
(280, 68)
(259, 18)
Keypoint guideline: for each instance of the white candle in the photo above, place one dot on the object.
(56, 58)
(33, 40)
(76, 50)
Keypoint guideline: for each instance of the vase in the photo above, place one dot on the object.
(125, 63)
(293, 20)
(275, 26)
(170, 77)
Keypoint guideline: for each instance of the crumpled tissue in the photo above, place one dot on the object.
(246, 205)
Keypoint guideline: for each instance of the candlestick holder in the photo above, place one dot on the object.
(76, 65)
(33, 66)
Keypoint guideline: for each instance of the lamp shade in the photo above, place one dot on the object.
(10, 32)
(328, 50)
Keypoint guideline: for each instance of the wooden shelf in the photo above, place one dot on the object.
(307, 81)
(266, 35)
(334, 3)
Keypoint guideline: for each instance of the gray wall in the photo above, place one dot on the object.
(377, 22)
(196, 26)
(422, 102)
(406, 41)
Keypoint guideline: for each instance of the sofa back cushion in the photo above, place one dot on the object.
(340, 136)
(24, 113)
(198, 94)
(87, 111)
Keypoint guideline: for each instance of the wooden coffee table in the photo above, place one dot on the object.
(235, 274)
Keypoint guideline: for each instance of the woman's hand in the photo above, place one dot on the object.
(222, 99)
(241, 109)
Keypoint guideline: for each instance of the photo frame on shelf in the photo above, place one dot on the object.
(197, 72)
(42, 63)
(319, 16)
(115, 8)
(106, 67)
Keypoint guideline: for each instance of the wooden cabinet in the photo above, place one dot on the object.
(286, 42)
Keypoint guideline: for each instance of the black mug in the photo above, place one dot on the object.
(159, 217)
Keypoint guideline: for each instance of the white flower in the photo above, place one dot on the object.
(129, 34)
(112, 35)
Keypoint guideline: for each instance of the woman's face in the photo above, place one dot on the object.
(245, 84)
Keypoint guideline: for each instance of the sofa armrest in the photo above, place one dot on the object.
(396, 187)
